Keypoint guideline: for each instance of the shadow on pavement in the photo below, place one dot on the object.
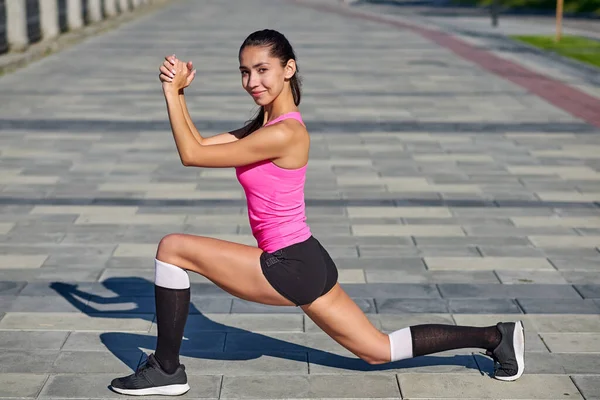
(123, 344)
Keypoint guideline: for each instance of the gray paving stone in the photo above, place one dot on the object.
(92, 262)
(571, 342)
(8, 288)
(466, 387)
(501, 212)
(591, 291)
(578, 363)
(6, 302)
(566, 323)
(382, 276)
(390, 290)
(204, 290)
(89, 362)
(246, 307)
(589, 386)
(54, 249)
(27, 361)
(281, 342)
(412, 251)
(483, 306)
(530, 277)
(314, 387)
(43, 304)
(473, 241)
(245, 363)
(517, 231)
(32, 340)
(69, 321)
(48, 273)
(475, 277)
(562, 306)
(533, 342)
(20, 275)
(233, 322)
(332, 239)
(130, 263)
(413, 264)
(464, 221)
(120, 304)
(210, 305)
(392, 322)
(558, 252)
(31, 235)
(581, 277)
(125, 341)
(17, 385)
(490, 291)
(405, 306)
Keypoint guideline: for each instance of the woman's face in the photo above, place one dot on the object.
(263, 77)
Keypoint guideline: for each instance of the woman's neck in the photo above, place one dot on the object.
(283, 104)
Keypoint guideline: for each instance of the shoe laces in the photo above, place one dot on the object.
(497, 364)
(148, 364)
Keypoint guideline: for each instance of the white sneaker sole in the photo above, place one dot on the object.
(170, 390)
(519, 345)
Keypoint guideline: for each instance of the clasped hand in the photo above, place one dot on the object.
(176, 74)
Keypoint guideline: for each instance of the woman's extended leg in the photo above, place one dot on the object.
(233, 267)
(344, 321)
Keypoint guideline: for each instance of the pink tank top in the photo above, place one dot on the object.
(275, 197)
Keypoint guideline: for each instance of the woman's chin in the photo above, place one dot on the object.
(261, 100)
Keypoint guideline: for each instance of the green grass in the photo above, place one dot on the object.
(576, 47)
(570, 6)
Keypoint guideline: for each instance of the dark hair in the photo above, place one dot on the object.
(280, 48)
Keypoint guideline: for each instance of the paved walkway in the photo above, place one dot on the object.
(447, 192)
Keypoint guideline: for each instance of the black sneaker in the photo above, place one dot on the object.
(151, 379)
(508, 356)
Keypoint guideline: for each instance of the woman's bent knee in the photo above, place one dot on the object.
(169, 248)
(378, 354)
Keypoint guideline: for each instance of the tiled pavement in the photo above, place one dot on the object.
(445, 192)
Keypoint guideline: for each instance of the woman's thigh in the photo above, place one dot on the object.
(233, 267)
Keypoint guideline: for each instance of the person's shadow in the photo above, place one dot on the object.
(213, 340)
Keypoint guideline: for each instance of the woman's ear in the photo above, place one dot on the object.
(290, 69)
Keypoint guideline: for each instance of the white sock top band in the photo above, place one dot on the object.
(401, 344)
(170, 276)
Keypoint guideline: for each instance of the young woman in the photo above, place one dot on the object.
(289, 267)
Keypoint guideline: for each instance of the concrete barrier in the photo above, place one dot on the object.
(25, 22)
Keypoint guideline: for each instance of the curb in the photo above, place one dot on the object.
(12, 61)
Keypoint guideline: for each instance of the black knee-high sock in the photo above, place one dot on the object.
(172, 308)
(434, 338)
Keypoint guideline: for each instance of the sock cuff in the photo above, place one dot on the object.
(170, 276)
(401, 344)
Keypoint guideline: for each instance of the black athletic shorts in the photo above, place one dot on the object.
(302, 272)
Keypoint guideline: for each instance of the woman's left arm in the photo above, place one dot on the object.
(267, 143)
(184, 138)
